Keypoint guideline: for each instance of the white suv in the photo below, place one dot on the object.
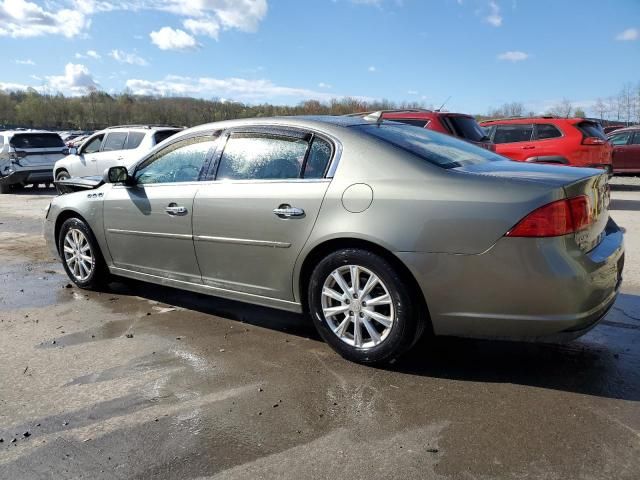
(27, 156)
(115, 146)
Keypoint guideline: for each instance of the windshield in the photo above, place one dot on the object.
(36, 140)
(441, 150)
(467, 128)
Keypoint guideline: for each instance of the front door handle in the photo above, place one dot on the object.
(287, 211)
(174, 209)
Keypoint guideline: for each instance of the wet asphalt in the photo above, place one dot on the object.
(141, 381)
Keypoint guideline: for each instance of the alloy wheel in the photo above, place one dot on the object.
(357, 306)
(78, 255)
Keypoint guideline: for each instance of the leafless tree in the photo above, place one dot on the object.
(562, 109)
(601, 108)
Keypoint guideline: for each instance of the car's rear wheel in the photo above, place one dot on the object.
(362, 306)
(81, 255)
(62, 175)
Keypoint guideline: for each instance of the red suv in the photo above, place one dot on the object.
(567, 141)
(457, 124)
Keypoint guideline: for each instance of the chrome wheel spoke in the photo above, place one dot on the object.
(342, 328)
(337, 276)
(381, 300)
(331, 311)
(373, 333)
(378, 317)
(357, 332)
(331, 293)
(371, 282)
(354, 272)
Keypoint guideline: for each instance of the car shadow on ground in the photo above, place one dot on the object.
(593, 365)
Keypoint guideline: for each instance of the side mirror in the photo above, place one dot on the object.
(117, 175)
(73, 151)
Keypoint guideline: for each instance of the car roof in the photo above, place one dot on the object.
(633, 128)
(542, 119)
(19, 132)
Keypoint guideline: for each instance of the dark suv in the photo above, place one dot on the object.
(458, 125)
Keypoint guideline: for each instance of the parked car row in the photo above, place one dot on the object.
(32, 157)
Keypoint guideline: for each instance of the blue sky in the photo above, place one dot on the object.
(482, 53)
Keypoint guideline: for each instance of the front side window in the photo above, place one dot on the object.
(545, 131)
(439, 149)
(636, 139)
(179, 162)
(114, 141)
(513, 133)
(134, 140)
(620, 138)
(258, 157)
(93, 145)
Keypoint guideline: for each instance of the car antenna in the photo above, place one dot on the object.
(443, 103)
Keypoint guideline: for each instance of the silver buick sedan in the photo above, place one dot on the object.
(379, 231)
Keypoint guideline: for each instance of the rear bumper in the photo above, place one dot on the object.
(521, 288)
(28, 176)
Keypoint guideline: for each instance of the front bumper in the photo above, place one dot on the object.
(28, 176)
(521, 288)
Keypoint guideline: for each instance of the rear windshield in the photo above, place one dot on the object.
(441, 150)
(36, 140)
(163, 135)
(592, 129)
(467, 128)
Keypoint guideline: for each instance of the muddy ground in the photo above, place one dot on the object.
(148, 382)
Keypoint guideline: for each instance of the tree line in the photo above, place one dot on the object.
(96, 109)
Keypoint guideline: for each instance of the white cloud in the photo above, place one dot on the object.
(324, 85)
(129, 58)
(202, 27)
(233, 88)
(629, 34)
(372, 69)
(76, 80)
(10, 87)
(89, 54)
(412, 92)
(21, 18)
(169, 39)
(513, 56)
(494, 18)
(27, 61)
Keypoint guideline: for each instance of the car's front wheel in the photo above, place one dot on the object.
(363, 307)
(81, 255)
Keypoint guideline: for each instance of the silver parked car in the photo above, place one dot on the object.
(27, 157)
(380, 230)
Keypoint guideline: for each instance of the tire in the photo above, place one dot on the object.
(62, 175)
(90, 273)
(402, 325)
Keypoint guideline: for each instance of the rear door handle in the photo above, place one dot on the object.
(174, 209)
(287, 211)
(528, 148)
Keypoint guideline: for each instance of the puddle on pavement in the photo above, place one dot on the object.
(32, 285)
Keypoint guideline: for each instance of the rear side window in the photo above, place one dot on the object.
(466, 127)
(636, 139)
(134, 140)
(513, 133)
(545, 131)
(114, 141)
(411, 121)
(442, 150)
(318, 159)
(163, 135)
(249, 157)
(591, 129)
(36, 140)
(620, 138)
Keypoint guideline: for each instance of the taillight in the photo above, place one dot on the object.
(593, 141)
(554, 219)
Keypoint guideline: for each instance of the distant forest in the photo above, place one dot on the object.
(98, 110)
